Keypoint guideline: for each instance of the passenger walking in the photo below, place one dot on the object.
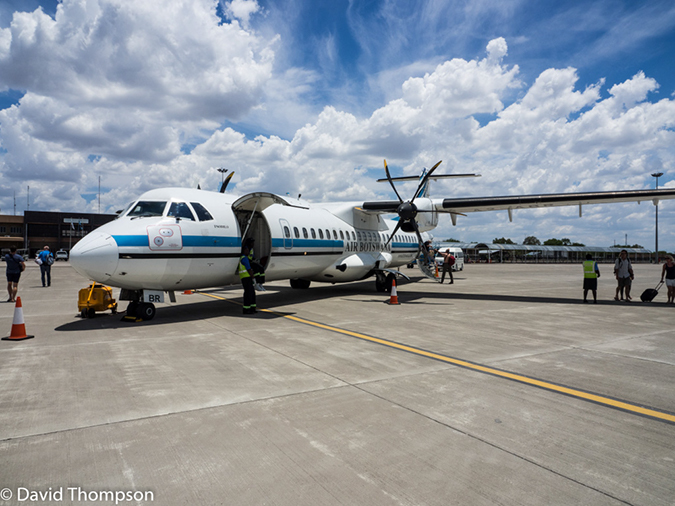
(46, 261)
(669, 272)
(246, 277)
(15, 266)
(448, 262)
(623, 271)
(591, 275)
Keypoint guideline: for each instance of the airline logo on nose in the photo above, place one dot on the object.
(165, 238)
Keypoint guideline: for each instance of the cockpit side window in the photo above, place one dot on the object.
(201, 211)
(146, 208)
(180, 210)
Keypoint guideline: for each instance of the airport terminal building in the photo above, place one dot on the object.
(37, 229)
(484, 252)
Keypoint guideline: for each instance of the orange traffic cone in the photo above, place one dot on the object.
(187, 292)
(18, 332)
(393, 300)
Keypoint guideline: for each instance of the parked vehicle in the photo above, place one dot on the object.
(61, 255)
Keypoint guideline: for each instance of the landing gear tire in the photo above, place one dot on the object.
(88, 313)
(389, 282)
(146, 311)
(132, 308)
(380, 282)
(301, 284)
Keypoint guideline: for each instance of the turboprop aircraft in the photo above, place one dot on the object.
(175, 239)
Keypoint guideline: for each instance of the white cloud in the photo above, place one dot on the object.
(117, 89)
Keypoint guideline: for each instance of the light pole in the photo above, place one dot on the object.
(657, 175)
(222, 171)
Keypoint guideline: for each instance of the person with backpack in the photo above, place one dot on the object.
(15, 266)
(448, 262)
(623, 270)
(46, 260)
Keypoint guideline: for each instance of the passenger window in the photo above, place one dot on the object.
(180, 210)
(296, 232)
(342, 236)
(143, 209)
(287, 232)
(353, 236)
(334, 234)
(304, 233)
(313, 233)
(320, 234)
(370, 237)
(358, 235)
(201, 211)
(327, 234)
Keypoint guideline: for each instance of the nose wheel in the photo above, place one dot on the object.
(143, 310)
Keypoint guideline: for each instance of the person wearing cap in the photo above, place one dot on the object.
(246, 277)
(47, 260)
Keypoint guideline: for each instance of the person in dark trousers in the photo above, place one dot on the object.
(246, 277)
(47, 260)
(669, 272)
(15, 266)
(591, 275)
(448, 262)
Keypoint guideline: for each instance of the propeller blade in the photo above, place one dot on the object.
(386, 170)
(226, 182)
(424, 180)
(425, 251)
(398, 225)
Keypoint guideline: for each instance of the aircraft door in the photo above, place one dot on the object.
(286, 231)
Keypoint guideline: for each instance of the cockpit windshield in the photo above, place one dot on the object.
(180, 210)
(146, 208)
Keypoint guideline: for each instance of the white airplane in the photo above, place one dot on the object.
(175, 239)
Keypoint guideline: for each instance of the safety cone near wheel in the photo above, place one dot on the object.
(393, 300)
(18, 332)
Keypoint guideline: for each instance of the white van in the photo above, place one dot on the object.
(458, 253)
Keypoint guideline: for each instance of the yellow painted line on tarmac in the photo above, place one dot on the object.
(588, 396)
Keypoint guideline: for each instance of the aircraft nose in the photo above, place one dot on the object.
(95, 256)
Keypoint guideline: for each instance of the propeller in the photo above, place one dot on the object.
(407, 211)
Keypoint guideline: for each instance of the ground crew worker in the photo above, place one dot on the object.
(246, 277)
(591, 275)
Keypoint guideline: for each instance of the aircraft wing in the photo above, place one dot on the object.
(476, 204)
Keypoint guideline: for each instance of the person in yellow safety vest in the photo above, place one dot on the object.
(591, 275)
(246, 277)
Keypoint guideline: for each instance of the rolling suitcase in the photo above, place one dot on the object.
(649, 294)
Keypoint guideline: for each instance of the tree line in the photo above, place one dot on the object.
(533, 241)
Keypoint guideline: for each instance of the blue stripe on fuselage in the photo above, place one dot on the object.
(190, 241)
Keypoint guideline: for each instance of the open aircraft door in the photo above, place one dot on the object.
(252, 223)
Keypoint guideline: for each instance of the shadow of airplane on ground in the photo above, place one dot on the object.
(276, 297)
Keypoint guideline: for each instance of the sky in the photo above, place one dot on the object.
(310, 96)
